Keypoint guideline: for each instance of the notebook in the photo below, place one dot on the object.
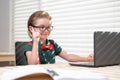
(106, 50)
(40, 73)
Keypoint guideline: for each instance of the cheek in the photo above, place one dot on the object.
(45, 34)
(48, 33)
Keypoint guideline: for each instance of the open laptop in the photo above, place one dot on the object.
(106, 50)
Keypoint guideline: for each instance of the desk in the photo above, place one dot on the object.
(7, 58)
(112, 72)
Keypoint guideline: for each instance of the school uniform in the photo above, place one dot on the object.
(46, 53)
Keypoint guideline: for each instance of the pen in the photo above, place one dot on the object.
(52, 72)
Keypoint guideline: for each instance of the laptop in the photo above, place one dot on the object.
(106, 50)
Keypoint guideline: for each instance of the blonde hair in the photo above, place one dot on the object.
(36, 15)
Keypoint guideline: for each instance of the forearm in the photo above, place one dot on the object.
(76, 58)
(34, 54)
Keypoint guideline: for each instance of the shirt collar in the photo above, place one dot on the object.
(47, 42)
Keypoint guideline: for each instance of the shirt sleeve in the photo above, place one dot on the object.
(58, 48)
(27, 48)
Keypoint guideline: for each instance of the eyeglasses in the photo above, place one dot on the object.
(42, 28)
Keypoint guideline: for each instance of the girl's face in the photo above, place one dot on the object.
(43, 25)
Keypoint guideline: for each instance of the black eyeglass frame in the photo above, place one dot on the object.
(49, 28)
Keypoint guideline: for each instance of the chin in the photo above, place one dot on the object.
(44, 37)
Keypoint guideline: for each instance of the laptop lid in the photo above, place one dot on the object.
(106, 50)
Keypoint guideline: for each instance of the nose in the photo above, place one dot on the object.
(46, 30)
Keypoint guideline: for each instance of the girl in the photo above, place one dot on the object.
(42, 50)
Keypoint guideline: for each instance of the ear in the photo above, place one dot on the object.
(30, 28)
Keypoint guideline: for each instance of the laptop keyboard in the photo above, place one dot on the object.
(82, 63)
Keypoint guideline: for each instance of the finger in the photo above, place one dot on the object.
(91, 55)
(38, 30)
(38, 39)
(33, 29)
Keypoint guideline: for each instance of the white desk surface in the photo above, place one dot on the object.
(112, 72)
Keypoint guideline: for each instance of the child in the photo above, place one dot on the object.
(42, 50)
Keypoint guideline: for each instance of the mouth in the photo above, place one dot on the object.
(43, 34)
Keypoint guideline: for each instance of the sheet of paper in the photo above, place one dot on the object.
(78, 75)
(22, 71)
(57, 74)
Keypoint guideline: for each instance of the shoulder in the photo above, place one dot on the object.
(30, 43)
(28, 46)
(52, 41)
(58, 48)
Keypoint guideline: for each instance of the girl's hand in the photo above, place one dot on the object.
(91, 57)
(36, 34)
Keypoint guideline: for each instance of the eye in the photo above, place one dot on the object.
(42, 27)
(48, 27)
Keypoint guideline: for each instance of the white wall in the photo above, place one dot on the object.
(4, 26)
